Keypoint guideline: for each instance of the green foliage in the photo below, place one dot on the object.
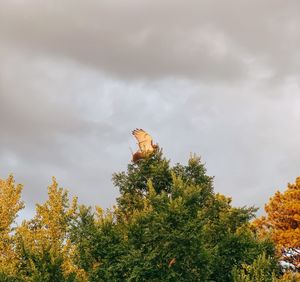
(43, 267)
(230, 238)
(163, 231)
(83, 231)
(100, 244)
(261, 270)
(133, 183)
(168, 225)
(8, 278)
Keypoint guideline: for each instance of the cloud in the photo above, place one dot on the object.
(204, 40)
(218, 79)
(58, 118)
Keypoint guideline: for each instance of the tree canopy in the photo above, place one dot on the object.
(168, 224)
(282, 223)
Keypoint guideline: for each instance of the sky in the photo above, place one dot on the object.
(215, 78)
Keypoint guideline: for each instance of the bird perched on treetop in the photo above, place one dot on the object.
(145, 143)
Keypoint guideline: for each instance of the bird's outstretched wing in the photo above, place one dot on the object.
(144, 140)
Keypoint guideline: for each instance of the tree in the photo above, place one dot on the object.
(154, 233)
(263, 269)
(10, 205)
(282, 223)
(169, 225)
(46, 252)
(101, 245)
(133, 183)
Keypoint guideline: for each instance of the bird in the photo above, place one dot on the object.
(145, 143)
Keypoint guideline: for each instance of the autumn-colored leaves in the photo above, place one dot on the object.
(282, 222)
(10, 205)
(167, 225)
(44, 235)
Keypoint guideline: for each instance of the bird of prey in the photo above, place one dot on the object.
(145, 142)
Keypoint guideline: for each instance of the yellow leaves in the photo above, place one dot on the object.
(152, 192)
(290, 276)
(10, 205)
(223, 199)
(48, 231)
(102, 217)
(177, 205)
(283, 217)
(99, 212)
(56, 212)
(261, 227)
(69, 253)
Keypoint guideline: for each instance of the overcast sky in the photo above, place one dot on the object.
(218, 78)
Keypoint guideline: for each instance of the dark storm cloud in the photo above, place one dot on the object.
(155, 39)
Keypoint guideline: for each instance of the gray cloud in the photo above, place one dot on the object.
(219, 80)
(153, 39)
